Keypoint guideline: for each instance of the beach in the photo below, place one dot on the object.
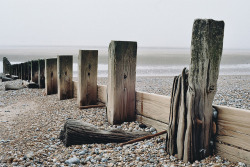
(31, 122)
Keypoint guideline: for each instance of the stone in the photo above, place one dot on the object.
(73, 160)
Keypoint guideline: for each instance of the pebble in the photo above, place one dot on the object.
(37, 132)
(73, 160)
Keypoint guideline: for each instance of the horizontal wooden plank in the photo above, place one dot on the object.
(102, 93)
(153, 106)
(233, 154)
(234, 126)
(159, 126)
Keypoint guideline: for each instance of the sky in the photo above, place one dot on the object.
(152, 23)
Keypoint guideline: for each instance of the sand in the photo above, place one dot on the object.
(30, 125)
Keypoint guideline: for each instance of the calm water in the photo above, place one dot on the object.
(150, 61)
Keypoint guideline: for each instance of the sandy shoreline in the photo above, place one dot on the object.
(30, 124)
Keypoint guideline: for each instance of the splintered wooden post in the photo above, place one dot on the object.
(64, 77)
(41, 76)
(26, 71)
(87, 75)
(121, 81)
(23, 70)
(51, 76)
(191, 116)
(34, 71)
(29, 70)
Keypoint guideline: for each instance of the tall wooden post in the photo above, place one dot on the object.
(6, 66)
(64, 77)
(34, 71)
(190, 133)
(41, 76)
(87, 77)
(121, 81)
(23, 71)
(51, 76)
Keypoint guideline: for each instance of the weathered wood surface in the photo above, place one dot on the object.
(191, 114)
(34, 71)
(233, 154)
(51, 76)
(77, 132)
(102, 93)
(14, 87)
(87, 77)
(121, 81)
(6, 66)
(234, 126)
(41, 75)
(159, 126)
(64, 76)
(153, 106)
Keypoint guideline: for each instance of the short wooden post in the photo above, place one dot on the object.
(121, 81)
(41, 76)
(51, 76)
(87, 77)
(19, 71)
(34, 71)
(64, 77)
(6, 66)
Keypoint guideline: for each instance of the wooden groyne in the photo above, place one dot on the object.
(231, 129)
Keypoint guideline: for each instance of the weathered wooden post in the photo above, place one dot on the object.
(29, 70)
(64, 76)
(34, 71)
(23, 71)
(87, 77)
(19, 71)
(51, 76)
(190, 133)
(6, 66)
(121, 81)
(41, 76)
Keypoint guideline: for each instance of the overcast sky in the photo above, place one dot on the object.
(156, 23)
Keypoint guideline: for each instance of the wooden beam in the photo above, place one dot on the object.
(51, 76)
(64, 76)
(87, 77)
(121, 81)
(232, 153)
(153, 106)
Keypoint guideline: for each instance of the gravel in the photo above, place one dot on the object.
(29, 132)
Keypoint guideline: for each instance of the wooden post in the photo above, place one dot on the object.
(191, 116)
(34, 71)
(29, 70)
(64, 77)
(19, 71)
(41, 76)
(121, 81)
(6, 66)
(51, 76)
(23, 71)
(87, 77)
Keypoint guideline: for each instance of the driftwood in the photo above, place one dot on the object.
(143, 138)
(191, 114)
(4, 79)
(14, 87)
(76, 132)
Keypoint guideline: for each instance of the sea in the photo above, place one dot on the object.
(151, 61)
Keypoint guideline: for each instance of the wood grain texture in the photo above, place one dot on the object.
(234, 126)
(34, 71)
(87, 77)
(233, 154)
(51, 76)
(102, 93)
(121, 81)
(64, 76)
(159, 126)
(153, 106)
